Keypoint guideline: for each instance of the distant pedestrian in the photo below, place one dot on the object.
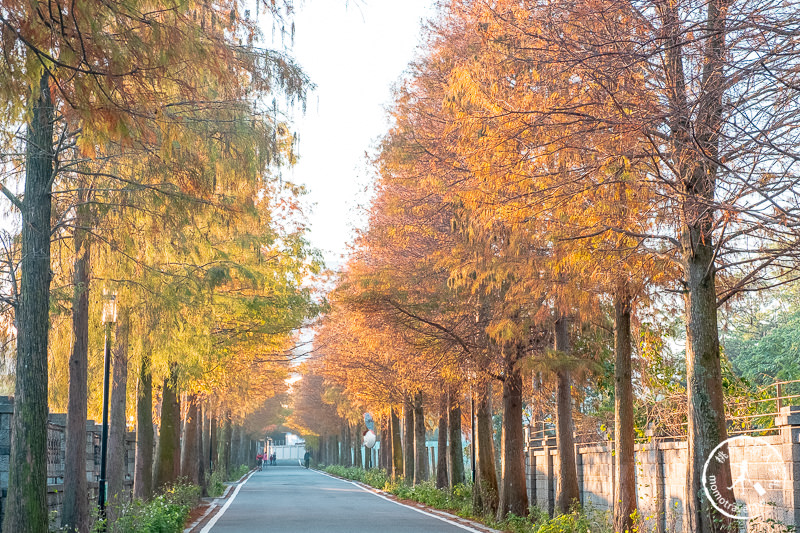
(307, 458)
(260, 461)
(273, 459)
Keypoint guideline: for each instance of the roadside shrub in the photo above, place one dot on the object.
(165, 513)
(215, 485)
(236, 473)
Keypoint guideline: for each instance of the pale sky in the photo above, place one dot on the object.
(354, 52)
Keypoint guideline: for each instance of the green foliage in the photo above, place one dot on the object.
(166, 513)
(767, 349)
(237, 473)
(215, 484)
(374, 477)
(586, 521)
(459, 501)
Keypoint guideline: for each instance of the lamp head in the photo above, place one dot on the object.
(109, 307)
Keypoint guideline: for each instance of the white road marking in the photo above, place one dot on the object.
(227, 504)
(442, 518)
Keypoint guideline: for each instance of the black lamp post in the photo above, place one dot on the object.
(109, 317)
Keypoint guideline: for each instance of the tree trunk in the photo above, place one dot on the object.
(213, 439)
(336, 457)
(75, 516)
(397, 447)
(386, 445)
(358, 461)
(202, 444)
(168, 458)
(513, 491)
(408, 440)
(244, 441)
(441, 452)
(190, 458)
(143, 470)
(706, 417)
(236, 439)
(421, 451)
(26, 501)
(625, 462)
(485, 501)
(118, 426)
(565, 439)
(224, 447)
(456, 446)
(347, 458)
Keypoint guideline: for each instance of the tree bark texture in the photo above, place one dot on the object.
(397, 446)
(75, 515)
(705, 395)
(202, 444)
(190, 458)
(442, 479)
(143, 469)
(386, 445)
(236, 439)
(224, 458)
(118, 427)
(357, 459)
(244, 441)
(513, 491)
(568, 492)
(168, 459)
(456, 445)
(347, 458)
(420, 450)
(213, 436)
(26, 502)
(486, 495)
(625, 462)
(408, 440)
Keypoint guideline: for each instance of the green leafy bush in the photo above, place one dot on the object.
(237, 473)
(166, 513)
(215, 485)
(459, 501)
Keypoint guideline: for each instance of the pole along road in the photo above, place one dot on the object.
(293, 499)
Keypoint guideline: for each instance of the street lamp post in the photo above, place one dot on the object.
(109, 318)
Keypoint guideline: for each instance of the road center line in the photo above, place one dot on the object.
(227, 504)
(443, 519)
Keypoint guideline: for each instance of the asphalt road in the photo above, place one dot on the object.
(293, 499)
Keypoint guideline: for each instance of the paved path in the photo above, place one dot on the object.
(293, 499)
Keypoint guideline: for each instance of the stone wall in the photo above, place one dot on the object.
(56, 446)
(661, 474)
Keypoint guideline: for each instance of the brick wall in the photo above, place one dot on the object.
(661, 474)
